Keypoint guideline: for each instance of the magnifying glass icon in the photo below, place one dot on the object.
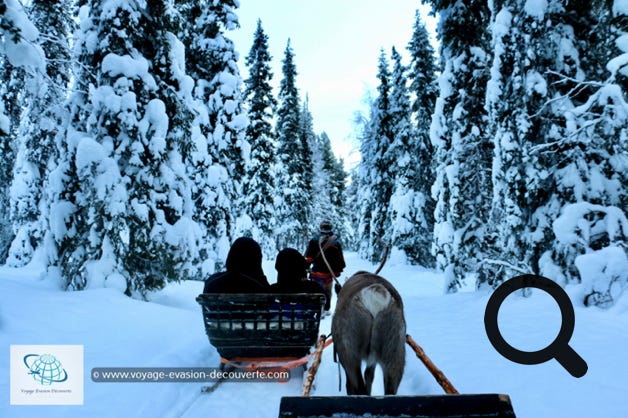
(559, 348)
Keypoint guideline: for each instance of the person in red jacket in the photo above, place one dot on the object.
(333, 253)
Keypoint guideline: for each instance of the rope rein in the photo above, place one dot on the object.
(320, 247)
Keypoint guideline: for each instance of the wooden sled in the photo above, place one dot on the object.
(258, 330)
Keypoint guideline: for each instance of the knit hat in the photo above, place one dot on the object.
(326, 226)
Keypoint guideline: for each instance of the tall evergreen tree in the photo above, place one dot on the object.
(259, 186)
(219, 153)
(44, 123)
(97, 228)
(556, 172)
(362, 191)
(328, 183)
(462, 147)
(308, 142)
(291, 207)
(336, 184)
(555, 53)
(169, 240)
(11, 88)
(422, 76)
(20, 55)
(410, 231)
(383, 169)
(585, 206)
(226, 115)
(129, 205)
(353, 200)
(510, 104)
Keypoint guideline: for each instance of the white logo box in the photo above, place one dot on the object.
(46, 374)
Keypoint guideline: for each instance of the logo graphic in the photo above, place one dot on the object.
(45, 369)
(46, 374)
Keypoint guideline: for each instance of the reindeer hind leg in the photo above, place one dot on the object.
(393, 369)
(391, 383)
(369, 373)
(355, 382)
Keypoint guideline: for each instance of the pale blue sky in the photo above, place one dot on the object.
(336, 45)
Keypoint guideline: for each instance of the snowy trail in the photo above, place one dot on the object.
(168, 332)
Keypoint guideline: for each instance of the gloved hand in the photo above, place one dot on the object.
(337, 288)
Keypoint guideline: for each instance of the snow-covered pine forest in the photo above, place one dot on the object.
(134, 153)
(509, 154)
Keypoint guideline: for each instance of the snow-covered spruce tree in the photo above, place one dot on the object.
(44, 123)
(259, 183)
(336, 185)
(599, 23)
(537, 84)
(382, 165)
(328, 182)
(169, 240)
(548, 97)
(401, 208)
(463, 151)
(423, 85)
(227, 118)
(20, 55)
(125, 217)
(353, 205)
(411, 232)
(217, 132)
(618, 44)
(514, 88)
(308, 143)
(11, 88)
(102, 148)
(321, 205)
(362, 192)
(291, 207)
(592, 230)
(422, 76)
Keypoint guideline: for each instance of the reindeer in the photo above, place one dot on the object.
(369, 324)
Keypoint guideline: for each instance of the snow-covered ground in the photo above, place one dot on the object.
(117, 331)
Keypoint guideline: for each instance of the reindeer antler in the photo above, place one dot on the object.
(384, 257)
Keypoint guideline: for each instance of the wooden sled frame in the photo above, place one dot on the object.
(254, 327)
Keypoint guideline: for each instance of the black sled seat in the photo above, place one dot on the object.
(258, 326)
(432, 406)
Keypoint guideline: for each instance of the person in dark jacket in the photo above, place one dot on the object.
(292, 274)
(333, 253)
(244, 270)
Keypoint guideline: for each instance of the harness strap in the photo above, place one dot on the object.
(288, 363)
(328, 243)
(252, 364)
